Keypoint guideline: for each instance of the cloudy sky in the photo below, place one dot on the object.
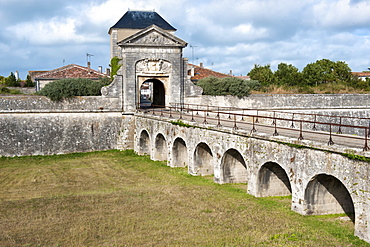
(222, 34)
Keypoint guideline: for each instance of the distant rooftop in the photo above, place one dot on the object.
(68, 71)
(199, 72)
(141, 20)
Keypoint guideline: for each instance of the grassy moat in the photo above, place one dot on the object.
(117, 198)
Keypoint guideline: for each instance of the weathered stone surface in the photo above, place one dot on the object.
(58, 133)
(28, 103)
(291, 101)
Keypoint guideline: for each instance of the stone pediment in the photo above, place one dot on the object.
(153, 36)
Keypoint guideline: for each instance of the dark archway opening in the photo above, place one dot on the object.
(233, 167)
(273, 181)
(160, 151)
(144, 143)
(203, 160)
(179, 153)
(152, 94)
(325, 194)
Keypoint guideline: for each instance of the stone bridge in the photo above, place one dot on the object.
(320, 180)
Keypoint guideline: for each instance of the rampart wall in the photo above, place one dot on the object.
(34, 125)
(33, 103)
(286, 101)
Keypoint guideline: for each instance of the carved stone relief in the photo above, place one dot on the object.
(154, 38)
(151, 66)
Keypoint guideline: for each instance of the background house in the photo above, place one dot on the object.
(362, 75)
(41, 78)
(196, 73)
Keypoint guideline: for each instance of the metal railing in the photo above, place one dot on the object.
(290, 124)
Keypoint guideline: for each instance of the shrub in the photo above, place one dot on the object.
(106, 81)
(227, 86)
(4, 90)
(29, 82)
(67, 88)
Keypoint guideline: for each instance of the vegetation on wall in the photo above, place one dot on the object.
(227, 86)
(67, 88)
(115, 66)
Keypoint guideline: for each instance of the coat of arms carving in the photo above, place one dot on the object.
(153, 66)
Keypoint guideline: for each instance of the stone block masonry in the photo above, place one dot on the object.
(58, 133)
(34, 125)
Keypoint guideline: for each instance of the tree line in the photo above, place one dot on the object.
(321, 71)
(13, 81)
(324, 75)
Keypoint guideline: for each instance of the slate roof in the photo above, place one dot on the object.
(141, 20)
(201, 72)
(70, 71)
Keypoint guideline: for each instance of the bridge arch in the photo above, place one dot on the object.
(233, 167)
(179, 153)
(144, 143)
(273, 181)
(325, 194)
(203, 160)
(160, 148)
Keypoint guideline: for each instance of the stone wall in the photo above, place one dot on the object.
(285, 101)
(34, 125)
(33, 103)
(24, 90)
(58, 133)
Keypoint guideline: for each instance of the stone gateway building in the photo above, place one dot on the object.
(150, 53)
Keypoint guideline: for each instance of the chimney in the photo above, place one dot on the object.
(100, 69)
(88, 67)
(201, 65)
(107, 71)
(16, 75)
(231, 72)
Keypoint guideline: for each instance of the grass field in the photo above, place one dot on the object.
(117, 198)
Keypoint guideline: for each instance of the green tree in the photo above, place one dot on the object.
(115, 66)
(263, 74)
(68, 88)
(11, 81)
(325, 70)
(29, 82)
(287, 74)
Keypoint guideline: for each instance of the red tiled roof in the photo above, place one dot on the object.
(201, 72)
(365, 74)
(70, 71)
(34, 74)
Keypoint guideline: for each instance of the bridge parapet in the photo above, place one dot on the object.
(346, 133)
